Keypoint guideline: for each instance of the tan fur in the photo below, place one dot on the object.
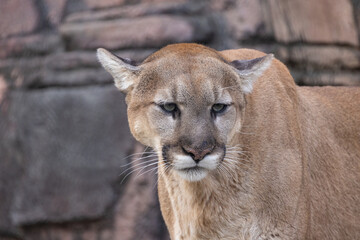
(298, 173)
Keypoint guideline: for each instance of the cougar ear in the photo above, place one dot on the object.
(123, 70)
(250, 70)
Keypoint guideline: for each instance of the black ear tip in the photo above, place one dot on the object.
(245, 64)
(249, 64)
(102, 53)
(127, 60)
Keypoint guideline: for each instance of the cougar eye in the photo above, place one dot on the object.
(169, 107)
(218, 108)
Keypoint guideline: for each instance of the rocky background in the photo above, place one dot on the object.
(63, 128)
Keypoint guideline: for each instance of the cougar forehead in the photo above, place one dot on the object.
(185, 77)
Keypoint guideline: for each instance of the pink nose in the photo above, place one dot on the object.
(198, 153)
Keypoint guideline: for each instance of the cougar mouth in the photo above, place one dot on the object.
(189, 168)
(193, 174)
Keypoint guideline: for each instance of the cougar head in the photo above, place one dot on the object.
(186, 102)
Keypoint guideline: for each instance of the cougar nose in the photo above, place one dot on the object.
(198, 153)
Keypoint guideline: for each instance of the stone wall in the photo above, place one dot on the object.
(63, 126)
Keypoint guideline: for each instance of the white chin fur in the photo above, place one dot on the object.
(183, 163)
(193, 175)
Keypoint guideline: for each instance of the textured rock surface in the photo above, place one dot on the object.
(322, 56)
(138, 10)
(63, 181)
(10, 166)
(17, 17)
(103, 3)
(323, 21)
(152, 31)
(327, 78)
(63, 129)
(136, 214)
(246, 20)
(55, 10)
(136, 210)
(72, 69)
(38, 44)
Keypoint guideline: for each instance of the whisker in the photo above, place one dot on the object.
(139, 164)
(237, 149)
(166, 167)
(135, 169)
(127, 176)
(229, 147)
(237, 145)
(145, 163)
(142, 153)
(142, 168)
(143, 158)
(149, 170)
(237, 152)
(220, 170)
(228, 169)
(137, 159)
(225, 169)
(236, 160)
(232, 148)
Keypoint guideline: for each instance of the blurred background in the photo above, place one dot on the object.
(63, 128)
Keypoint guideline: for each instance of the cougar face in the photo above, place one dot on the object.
(186, 104)
(194, 124)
